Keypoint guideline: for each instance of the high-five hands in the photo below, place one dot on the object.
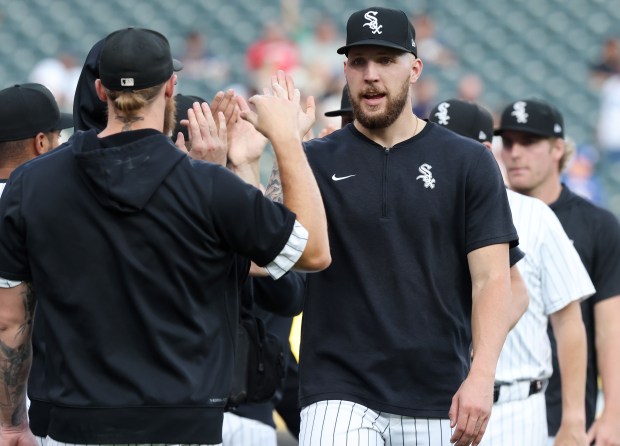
(208, 139)
(278, 111)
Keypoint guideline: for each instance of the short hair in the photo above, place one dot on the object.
(12, 150)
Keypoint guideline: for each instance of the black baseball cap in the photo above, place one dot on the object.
(136, 58)
(465, 118)
(345, 104)
(27, 109)
(381, 27)
(184, 103)
(533, 116)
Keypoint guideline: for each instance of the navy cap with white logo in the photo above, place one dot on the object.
(533, 116)
(136, 58)
(380, 27)
(465, 118)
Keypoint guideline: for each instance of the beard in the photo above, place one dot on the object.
(170, 116)
(393, 109)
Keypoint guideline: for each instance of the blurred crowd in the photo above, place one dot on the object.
(310, 56)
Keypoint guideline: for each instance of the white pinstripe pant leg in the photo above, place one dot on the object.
(41, 440)
(339, 423)
(405, 431)
(517, 423)
(240, 431)
(342, 423)
(51, 442)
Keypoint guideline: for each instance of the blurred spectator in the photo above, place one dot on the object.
(424, 96)
(609, 62)
(200, 63)
(608, 128)
(430, 48)
(60, 75)
(323, 65)
(470, 88)
(580, 175)
(272, 52)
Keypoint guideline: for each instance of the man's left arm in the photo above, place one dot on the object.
(606, 429)
(492, 316)
(16, 312)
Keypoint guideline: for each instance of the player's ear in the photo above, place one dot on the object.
(99, 88)
(40, 144)
(416, 68)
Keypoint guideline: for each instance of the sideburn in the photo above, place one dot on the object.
(170, 116)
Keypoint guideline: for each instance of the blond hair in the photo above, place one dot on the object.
(569, 151)
(129, 102)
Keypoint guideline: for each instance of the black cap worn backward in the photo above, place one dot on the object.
(533, 116)
(345, 104)
(381, 27)
(465, 118)
(136, 58)
(27, 109)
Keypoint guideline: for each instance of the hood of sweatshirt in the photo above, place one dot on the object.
(123, 171)
(89, 112)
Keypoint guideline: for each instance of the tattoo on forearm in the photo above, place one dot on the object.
(15, 364)
(128, 121)
(274, 188)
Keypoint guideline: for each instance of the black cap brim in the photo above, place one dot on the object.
(374, 42)
(65, 122)
(522, 129)
(338, 112)
(177, 65)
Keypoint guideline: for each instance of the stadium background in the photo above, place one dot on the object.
(519, 48)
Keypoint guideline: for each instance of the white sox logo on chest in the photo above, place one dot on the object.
(373, 22)
(427, 176)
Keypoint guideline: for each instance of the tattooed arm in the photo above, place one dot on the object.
(16, 312)
(274, 187)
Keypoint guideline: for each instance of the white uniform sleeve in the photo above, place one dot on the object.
(6, 283)
(291, 252)
(566, 279)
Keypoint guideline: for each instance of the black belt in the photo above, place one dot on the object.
(536, 386)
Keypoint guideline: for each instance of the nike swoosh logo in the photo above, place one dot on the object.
(335, 178)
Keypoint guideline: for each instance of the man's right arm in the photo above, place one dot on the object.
(16, 312)
(278, 118)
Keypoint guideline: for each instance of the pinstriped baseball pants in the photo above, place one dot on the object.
(51, 442)
(517, 423)
(240, 431)
(343, 423)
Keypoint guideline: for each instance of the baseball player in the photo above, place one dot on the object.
(165, 238)
(420, 263)
(534, 153)
(556, 283)
(30, 125)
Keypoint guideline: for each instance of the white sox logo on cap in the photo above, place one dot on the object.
(373, 23)
(518, 111)
(442, 113)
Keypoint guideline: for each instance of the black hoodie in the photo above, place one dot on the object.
(129, 245)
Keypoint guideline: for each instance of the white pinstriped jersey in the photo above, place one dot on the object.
(554, 276)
